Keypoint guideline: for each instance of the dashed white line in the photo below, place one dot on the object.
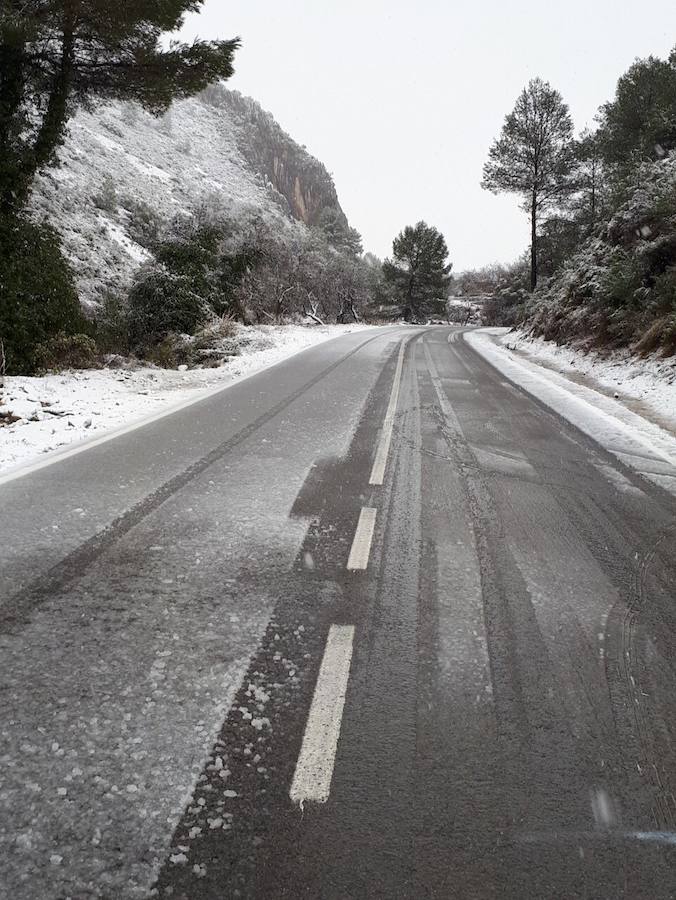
(363, 537)
(314, 769)
(379, 463)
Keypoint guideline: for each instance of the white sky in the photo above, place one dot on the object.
(401, 100)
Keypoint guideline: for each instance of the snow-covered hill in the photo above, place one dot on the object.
(122, 172)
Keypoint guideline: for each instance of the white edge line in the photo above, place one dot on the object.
(314, 768)
(363, 537)
(380, 462)
(59, 454)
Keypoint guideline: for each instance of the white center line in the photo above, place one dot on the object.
(378, 470)
(314, 769)
(363, 536)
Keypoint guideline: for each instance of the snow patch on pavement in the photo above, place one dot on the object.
(61, 410)
(641, 444)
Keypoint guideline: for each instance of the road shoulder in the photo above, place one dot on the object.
(637, 442)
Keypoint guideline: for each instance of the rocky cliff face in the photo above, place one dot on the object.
(123, 173)
(300, 178)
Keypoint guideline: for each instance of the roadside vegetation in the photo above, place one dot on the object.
(601, 268)
(176, 278)
(55, 58)
(418, 274)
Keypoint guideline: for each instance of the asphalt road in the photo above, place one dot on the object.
(373, 623)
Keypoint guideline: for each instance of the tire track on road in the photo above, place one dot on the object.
(14, 610)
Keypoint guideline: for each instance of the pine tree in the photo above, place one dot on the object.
(418, 270)
(640, 122)
(56, 55)
(533, 156)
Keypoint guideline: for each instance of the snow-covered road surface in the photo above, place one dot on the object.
(136, 583)
(59, 411)
(503, 727)
(633, 439)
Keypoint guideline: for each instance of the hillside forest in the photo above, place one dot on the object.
(601, 269)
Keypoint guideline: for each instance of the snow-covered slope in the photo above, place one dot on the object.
(618, 288)
(123, 171)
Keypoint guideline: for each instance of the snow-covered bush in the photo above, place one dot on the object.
(37, 293)
(506, 307)
(66, 351)
(112, 325)
(106, 198)
(143, 223)
(162, 304)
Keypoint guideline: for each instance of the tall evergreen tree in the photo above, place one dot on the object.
(640, 122)
(56, 55)
(418, 270)
(533, 156)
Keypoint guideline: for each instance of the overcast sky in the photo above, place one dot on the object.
(401, 100)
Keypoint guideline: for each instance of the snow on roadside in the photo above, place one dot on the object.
(646, 386)
(60, 410)
(633, 439)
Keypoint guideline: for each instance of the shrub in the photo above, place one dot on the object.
(112, 331)
(622, 281)
(210, 346)
(144, 222)
(661, 335)
(66, 351)
(216, 342)
(665, 290)
(161, 304)
(506, 307)
(191, 281)
(171, 352)
(38, 298)
(215, 333)
(106, 199)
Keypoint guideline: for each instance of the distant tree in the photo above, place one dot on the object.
(352, 242)
(533, 156)
(342, 285)
(640, 123)
(56, 55)
(380, 301)
(418, 270)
